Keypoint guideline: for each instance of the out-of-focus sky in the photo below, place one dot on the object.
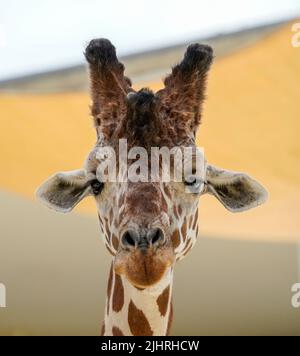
(40, 35)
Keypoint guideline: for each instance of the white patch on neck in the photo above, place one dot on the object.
(145, 300)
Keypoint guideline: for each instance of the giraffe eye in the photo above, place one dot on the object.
(96, 186)
(194, 184)
(190, 181)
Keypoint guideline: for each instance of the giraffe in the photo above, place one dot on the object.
(147, 226)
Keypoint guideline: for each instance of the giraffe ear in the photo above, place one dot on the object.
(236, 191)
(63, 191)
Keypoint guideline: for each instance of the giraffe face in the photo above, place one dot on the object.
(147, 226)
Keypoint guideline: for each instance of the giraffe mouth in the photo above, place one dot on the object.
(143, 268)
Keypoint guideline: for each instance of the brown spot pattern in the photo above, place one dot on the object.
(179, 210)
(188, 250)
(191, 219)
(188, 247)
(103, 329)
(100, 222)
(175, 238)
(164, 204)
(184, 229)
(111, 216)
(109, 286)
(138, 323)
(118, 296)
(163, 301)
(116, 331)
(115, 242)
(195, 220)
(175, 212)
(107, 229)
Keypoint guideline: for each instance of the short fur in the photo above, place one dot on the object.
(146, 226)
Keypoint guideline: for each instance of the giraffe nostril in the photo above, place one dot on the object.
(128, 239)
(156, 237)
(142, 239)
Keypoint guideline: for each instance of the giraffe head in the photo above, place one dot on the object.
(147, 224)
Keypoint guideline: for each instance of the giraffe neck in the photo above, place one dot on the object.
(132, 312)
